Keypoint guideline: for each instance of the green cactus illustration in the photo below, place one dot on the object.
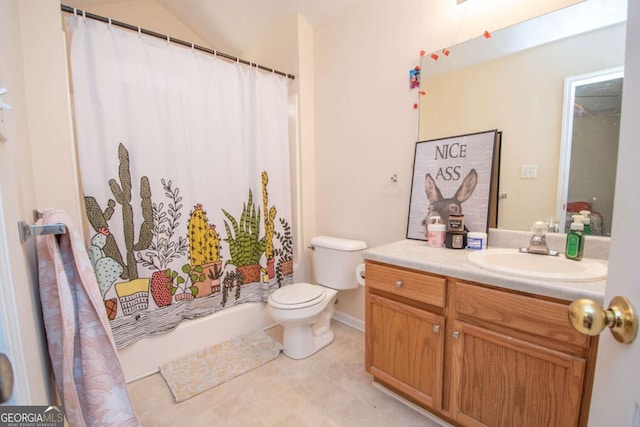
(269, 226)
(107, 269)
(245, 246)
(204, 243)
(99, 221)
(122, 195)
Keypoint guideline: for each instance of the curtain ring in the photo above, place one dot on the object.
(75, 12)
(139, 32)
(84, 14)
(109, 23)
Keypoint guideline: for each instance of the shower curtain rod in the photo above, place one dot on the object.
(121, 24)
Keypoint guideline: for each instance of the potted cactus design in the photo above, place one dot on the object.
(133, 296)
(284, 252)
(245, 247)
(269, 227)
(214, 274)
(179, 286)
(204, 251)
(122, 193)
(164, 247)
(106, 268)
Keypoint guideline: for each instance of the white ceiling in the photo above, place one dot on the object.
(232, 26)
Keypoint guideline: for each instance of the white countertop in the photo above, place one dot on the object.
(417, 255)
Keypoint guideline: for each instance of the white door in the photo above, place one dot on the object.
(616, 392)
(5, 382)
(6, 329)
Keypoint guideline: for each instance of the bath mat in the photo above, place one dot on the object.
(201, 371)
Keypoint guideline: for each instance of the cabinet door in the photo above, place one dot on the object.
(406, 349)
(501, 381)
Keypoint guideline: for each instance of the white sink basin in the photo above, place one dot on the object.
(544, 267)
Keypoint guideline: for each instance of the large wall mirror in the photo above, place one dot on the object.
(515, 81)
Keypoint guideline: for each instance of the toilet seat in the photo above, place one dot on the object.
(296, 296)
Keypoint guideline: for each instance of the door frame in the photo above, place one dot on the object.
(566, 141)
(10, 339)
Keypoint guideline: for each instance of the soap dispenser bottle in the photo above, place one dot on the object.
(586, 220)
(575, 239)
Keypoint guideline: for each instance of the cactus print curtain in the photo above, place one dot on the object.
(184, 165)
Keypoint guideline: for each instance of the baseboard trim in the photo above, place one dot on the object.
(349, 320)
(412, 405)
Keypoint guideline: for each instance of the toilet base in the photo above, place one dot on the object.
(300, 342)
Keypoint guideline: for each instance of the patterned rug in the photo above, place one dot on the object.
(201, 371)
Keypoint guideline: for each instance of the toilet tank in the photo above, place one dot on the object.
(335, 261)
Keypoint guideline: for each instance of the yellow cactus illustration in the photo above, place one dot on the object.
(269, 218)
(212, 245)
(204, 243)
(197, 228)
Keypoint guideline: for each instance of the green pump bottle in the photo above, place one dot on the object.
(575, 239)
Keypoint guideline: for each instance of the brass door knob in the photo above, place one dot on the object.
(6, 378)
(589, 318)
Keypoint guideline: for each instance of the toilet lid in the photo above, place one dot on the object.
(297, 294)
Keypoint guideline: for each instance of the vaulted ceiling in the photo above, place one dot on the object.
(234, 25)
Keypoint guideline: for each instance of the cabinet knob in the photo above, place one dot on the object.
(455, 335)
(436, 329)
(399, 284)
(589, 318)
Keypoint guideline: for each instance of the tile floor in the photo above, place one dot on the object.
(330, 388)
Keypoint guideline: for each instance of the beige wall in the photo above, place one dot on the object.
(289, 48)
(521, 95)
(148, 14)
(28, 128)
(357, 126)
(37, 164)
(595, 148)
(366, 128)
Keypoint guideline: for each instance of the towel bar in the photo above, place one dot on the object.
(27, 231)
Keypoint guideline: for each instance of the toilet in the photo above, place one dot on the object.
(304, 310)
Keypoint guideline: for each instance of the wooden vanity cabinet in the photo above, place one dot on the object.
(507, 359)
(405, 332)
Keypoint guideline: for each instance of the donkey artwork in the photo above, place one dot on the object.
(443, 207)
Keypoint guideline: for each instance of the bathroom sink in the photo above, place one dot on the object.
(543, 267)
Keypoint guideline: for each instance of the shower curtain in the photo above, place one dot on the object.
(184, 164)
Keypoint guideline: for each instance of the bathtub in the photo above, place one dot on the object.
(145, 356)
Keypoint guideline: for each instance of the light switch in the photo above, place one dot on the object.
(528, 171)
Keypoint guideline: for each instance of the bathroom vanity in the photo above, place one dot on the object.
(474, 347)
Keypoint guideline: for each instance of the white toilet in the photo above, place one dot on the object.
(305, 310)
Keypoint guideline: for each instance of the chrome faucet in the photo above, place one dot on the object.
(538, 242)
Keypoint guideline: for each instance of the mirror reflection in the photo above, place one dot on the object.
(515, 82)
(589, 152)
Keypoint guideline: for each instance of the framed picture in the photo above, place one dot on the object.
(455, 175)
